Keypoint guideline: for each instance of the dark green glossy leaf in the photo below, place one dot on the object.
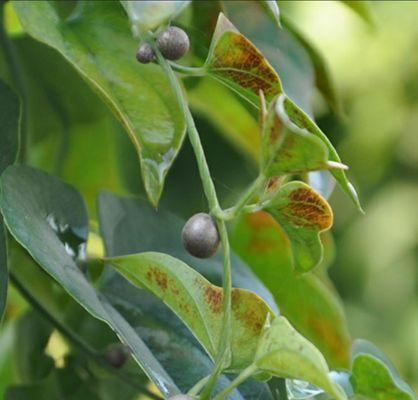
(303, 214)
(237, 63)
(148, 15)
(288, 149)
(284, 352)
(309, 302)
(97, 41)
(323, 78)
(32, 335)
(9, 145)
(122, 223)
(374, 376)
(198, 303)
(55, 237)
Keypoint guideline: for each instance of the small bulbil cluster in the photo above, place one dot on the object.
(117, 354)
(200, 236)
(173, 43)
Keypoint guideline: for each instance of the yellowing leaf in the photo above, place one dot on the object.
(199, 303)
(303, 214)
(284, 352)
(236, 62)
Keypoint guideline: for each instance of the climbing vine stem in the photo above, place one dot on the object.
(222, 358)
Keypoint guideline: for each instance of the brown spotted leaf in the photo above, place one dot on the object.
(198, 303)
(237, 63)
(287, 148)
(303, 214)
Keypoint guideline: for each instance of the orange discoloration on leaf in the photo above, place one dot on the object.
(214, 298)
(260, 220)
(325, 332)
(237, 59)
(154, 274)
(307, 208)
(248, 313)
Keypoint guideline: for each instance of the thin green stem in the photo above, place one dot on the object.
(76, 340)
(223, 353)
(195, 390)
(241, 205)
(245, 374)
(191, 71)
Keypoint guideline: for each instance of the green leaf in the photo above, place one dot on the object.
(303, 214)
(288, 149)
(9, 146)
(198, 303)
(55, 236)
(311, 304)
(323, 78)
(361, 8)
(284, 352)
(374, 376)
(163, 332)
(148, 15)
(30, 359)
(237, 63)
(97, 42)
(299, 118)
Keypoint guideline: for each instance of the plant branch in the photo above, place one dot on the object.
(76, 340)
(245, 374)
(190, 71)
(223, 355)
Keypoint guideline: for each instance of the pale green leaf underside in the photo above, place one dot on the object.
(284, 352)
(198, 303)
(97, 41)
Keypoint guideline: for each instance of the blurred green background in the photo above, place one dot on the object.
(376, 71)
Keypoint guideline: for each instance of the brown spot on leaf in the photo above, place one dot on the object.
(248, 312)
(326, 333)
(155, 275)
(307, 208)
(237, 59)
(214, 297)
